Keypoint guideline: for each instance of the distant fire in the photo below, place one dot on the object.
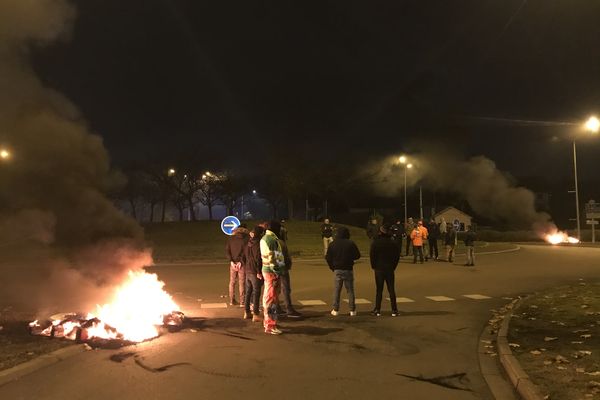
(560, 237)
(137, 310)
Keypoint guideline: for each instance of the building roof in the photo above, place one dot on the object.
(451, 208)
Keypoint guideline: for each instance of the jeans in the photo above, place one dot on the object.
(408, 245)
(470, 255)
(240, 276)
(326, 242)
(271, 299)
(343, 277)
(433, 249)
(286, 291)
(449, 252)
(417, 251)
(253, 287)
(387, 277)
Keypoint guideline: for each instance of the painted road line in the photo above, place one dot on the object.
(312, 302)
(359, 301)
(213, 305)
(401, 300)
(476, 296)
(439, 298)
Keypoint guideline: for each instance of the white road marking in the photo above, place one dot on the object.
(401, 300)
(439, 298)
(359, 301)
(312, 302)
(476, 296)
(213, 305)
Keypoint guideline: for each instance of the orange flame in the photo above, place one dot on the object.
(137, 309)
(558, 237)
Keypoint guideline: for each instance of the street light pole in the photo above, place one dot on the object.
(421, 202)
(405, 213)
(576, 190)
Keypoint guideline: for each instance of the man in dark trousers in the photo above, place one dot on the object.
(341, 254)
(450, 242)
(234, 251)
(470, 238)
(252, 262)
(385, 255)
(326, 234)
(434, 235)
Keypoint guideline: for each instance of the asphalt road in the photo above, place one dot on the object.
(429, 352)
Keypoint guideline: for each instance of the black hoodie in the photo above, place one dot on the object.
(342, 252)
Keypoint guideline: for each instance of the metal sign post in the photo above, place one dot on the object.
(592, 213)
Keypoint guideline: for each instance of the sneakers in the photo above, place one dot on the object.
(256, 318)
(233, 302)
(247, 315)
(335, 313)
(294, 314)
(395, 313)
(273, 331)
(376, 313)
(353, 313)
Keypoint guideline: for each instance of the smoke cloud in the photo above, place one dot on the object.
(62, 240)
(490, 192)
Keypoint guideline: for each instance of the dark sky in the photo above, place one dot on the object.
(334, 80)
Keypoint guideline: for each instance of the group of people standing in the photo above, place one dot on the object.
(423, 239)
(258, 258)
(259, 261)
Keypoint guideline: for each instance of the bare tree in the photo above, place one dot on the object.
(230, 188)
(208, 191)
(188, 188)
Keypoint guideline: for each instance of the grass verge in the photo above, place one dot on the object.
(555, 335)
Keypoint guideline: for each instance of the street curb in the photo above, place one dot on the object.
(518, 377)
(303, 260)
(26, 368)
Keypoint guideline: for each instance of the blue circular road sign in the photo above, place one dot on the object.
(229, 224)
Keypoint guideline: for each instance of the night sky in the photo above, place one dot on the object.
(338, 81)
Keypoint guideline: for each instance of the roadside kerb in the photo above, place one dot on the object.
(519, 378)
(45, 360)
(315, 259)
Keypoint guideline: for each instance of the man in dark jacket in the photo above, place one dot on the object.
(384, 260)
(234, 251)
(341, 254)
(450, 242)
(397, 232)
(470, 238)
(432, 238)
(326, 234)
(373, 228)
(252, 263)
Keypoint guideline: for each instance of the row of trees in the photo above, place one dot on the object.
(282, 188)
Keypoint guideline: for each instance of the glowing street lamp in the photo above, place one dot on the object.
(4, 154)
(592, 125)
(403, 160)
(171, 172)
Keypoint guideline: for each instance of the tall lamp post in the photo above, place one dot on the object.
(591, 125)
(403, 160)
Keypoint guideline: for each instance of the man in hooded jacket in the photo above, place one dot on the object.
(341, 254)
(234, 251)
(384, 259)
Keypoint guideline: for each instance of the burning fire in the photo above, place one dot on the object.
(560, 237)
(138, 308)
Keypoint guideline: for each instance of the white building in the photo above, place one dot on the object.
(452, 216)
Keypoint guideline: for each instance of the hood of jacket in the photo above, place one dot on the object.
(342, 233)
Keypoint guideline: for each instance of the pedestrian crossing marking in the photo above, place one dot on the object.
(439, 298)
(476, 296)
(213, 305)
(402, 300)
(358, 301)
(312, 302)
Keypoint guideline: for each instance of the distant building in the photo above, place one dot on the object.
(451, 214)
